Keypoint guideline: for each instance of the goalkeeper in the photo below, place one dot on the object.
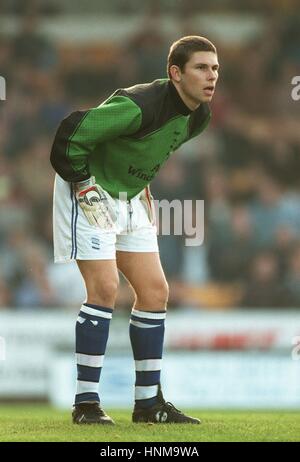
(104, 217)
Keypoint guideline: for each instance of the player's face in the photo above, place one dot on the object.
(199, 77)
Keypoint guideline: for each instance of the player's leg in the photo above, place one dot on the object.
(147, 325)
(138, 259)
(101, 281)
(92, 329)
(94, 251)
(144, 272)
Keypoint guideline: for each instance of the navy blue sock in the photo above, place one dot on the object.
(92, 329)
(146, 332)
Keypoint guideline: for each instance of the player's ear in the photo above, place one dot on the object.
(175, 73)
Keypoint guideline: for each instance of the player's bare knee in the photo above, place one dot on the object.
(155, 295)
(162, 293)
(103, 293)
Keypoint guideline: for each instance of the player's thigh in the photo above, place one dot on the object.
(100, 276)
(144, 272)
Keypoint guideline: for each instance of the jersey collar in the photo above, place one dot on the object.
(180, 106)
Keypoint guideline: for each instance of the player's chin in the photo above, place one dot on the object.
(207, 98)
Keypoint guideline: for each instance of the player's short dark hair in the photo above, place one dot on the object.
(181, 50)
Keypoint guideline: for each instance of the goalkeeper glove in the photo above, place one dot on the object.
(95, 203)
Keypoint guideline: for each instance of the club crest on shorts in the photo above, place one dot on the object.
(95, 243)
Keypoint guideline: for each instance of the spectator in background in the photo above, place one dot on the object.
(34, 290)
(149, 49)
(230, 253)
(264, 289)
(255, 96)
(53, 106)
(65, 279)
(216, 195)
(272, 208)
(24, 121)
(285, 241)
(39, 191)
(257, 128)
(282, 162)
(31, 48)
(292, 279)
(5, 293)
(6, 62)
(86, 82)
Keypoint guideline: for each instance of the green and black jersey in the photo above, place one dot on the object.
(124, 141)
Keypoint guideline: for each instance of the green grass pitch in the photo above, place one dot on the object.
(43, 423)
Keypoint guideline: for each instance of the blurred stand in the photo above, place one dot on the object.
(245, 166)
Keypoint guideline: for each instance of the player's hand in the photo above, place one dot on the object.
(95, 204)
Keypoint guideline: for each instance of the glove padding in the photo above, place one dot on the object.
(95, 203)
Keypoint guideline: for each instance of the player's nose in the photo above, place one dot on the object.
(212, 76)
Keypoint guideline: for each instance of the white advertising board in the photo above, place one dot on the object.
(232, 380)
(230, 359)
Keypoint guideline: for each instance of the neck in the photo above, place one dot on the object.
(189, 102)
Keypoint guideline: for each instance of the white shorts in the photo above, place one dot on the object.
(75, 239)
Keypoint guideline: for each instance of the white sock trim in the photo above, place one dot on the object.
(93, 312)
(143, 325)
(148, 365)
(146, 392)
(86, 387)
(89, 360)
(148, 314)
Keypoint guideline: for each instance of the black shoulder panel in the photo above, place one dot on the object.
(156, 105)
(159, 102)
(59, 153)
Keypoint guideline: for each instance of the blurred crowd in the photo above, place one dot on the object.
(245, 166)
